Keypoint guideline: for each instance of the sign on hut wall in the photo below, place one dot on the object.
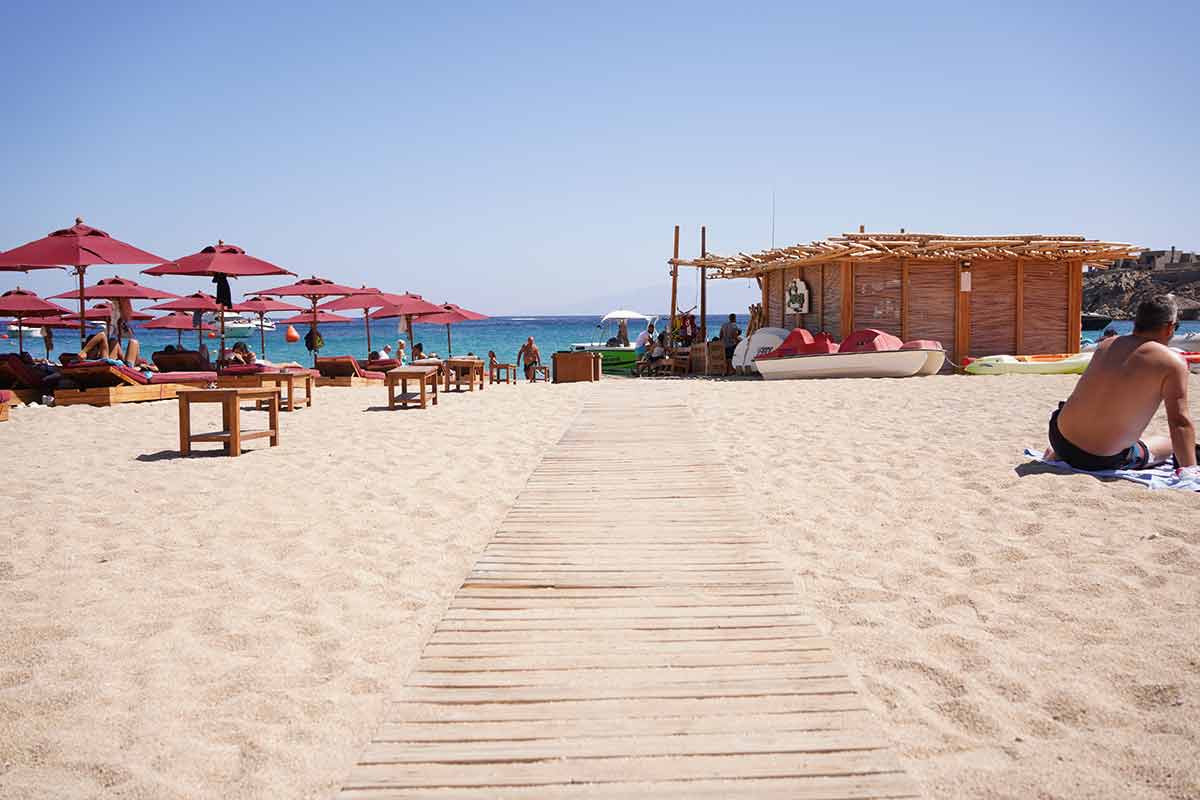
(797, 299)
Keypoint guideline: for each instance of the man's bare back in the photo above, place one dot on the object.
(1102, 425)
(1119, 394)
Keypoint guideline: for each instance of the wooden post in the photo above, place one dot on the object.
(674, 287)
(962, 312)
(1074, 305)
(82, 311)
(904, 299)
(704, 291)
(847, 298)
(1019, 323)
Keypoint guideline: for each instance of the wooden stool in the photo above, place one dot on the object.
(231, 433)
(509, 370)
(425, 377)
(543, 370)
(471, 368)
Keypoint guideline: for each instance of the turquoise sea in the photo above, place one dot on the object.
(505, 335)
(502, 334)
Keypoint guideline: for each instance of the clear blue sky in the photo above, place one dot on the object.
(532, 158)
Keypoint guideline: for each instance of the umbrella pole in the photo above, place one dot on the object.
(221, 352)
(313, 329)
(179, 339)
(408, 324)
(262, 335)
(82, 318)
(200, 335)
(20, 335)
(367, 323)
(449, 349)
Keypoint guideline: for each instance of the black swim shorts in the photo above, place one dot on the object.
(1136, 456)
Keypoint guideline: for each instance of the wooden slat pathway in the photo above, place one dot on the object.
(625, 635)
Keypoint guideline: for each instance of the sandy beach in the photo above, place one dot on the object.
(219, 628)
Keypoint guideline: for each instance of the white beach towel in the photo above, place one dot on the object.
(1161, 477)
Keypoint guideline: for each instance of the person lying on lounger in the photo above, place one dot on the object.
(107, 343)
(1102, 424)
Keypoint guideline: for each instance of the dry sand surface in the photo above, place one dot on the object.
(230, 628)
(1021, 635)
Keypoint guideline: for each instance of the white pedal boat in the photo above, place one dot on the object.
(853, 359)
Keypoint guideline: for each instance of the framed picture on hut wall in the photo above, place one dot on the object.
(797, 299)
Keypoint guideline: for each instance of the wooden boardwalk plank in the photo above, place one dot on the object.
(628, 639)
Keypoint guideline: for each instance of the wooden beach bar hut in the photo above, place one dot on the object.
(977, 295)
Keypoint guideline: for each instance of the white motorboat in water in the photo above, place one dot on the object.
(236, 326)
(867, 353)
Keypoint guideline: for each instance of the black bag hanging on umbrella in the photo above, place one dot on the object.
(224, 295)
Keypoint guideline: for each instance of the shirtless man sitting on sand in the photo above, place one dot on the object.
(530, 354)
(1102, 425)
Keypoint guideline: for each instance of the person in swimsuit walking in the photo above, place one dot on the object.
(1102, 424)
(532, 357)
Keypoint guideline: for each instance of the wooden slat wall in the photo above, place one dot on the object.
(931, 290)
(877, 297)
(831, 298)
(774, 307)
(1046, 308)
(812, 276)
(993, 308)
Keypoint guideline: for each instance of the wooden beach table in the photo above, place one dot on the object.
(231, 433)
(426, 378)
(281, 379)
(473, 367)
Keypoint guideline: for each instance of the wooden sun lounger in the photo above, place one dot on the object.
(345, 371)
(103, 384)
(6, 399)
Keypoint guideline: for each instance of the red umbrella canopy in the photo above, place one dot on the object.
(104, 311)
(403, 305)
(313, 288)
(176, 321)
(117, 289)
(54, 322)
(77, 246)
(264, 305)
(22, 303)
(219, 259)
(197, 301)
(452, 315)
(321, 317)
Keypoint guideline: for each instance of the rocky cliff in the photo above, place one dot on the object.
(1116, 293)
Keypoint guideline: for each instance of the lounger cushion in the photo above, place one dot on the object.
(7, 397)
(245, 369)
(373, 374)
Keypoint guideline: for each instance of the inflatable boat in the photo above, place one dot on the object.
(1055, 364)
(868, 353)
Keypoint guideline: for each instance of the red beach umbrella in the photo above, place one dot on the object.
(20, 303)
(314, 289)
(373, 298)
(104, 311)
(407, 305)
(263, 306)
(178, 321)
(79, 246)
(115, 289)
(197, 301)
(219, 261)
(452, 314)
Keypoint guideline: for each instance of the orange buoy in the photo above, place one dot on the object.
(291, 334)
(212, 335)
(3, 335)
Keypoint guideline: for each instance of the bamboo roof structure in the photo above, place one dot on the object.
(865, 247)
